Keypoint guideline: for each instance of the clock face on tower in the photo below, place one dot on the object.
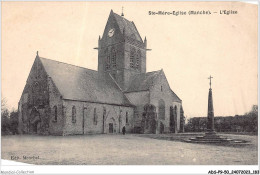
(111, 32)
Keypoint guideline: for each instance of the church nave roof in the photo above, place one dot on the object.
(78, 83)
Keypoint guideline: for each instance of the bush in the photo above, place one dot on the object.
(238, 123)
(9, 121)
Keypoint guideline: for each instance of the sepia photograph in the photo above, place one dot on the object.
(129, 83)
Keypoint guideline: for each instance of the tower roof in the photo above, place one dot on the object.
(127, 27)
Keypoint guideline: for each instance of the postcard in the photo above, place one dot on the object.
(129, 83)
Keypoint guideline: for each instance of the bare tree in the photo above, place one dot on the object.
(5, 124)
(3, 104)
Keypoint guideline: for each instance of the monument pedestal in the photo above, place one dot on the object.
(213, 137)
(210, 133)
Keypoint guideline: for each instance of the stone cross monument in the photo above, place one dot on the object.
(211, 136)
(210, 124)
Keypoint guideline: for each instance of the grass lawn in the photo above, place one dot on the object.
(126, 150)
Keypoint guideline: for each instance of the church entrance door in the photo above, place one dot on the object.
(148, 123)
(161, 127)
(110, 127)
(35, 127)
(35, 121)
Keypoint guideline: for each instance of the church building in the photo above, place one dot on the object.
(63, 99)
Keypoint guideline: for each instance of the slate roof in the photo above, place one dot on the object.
(128, 27)
(142, 82)
(78, 83)
(175, 97)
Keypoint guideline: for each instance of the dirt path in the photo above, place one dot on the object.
(123, 150)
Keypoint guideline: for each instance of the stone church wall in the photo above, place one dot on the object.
(162, 91)
(34, 100)
(129, 72)
(55, 126)
(38, 98)
(93, 118)
(140, 99)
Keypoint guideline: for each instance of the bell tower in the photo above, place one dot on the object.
(121, 50)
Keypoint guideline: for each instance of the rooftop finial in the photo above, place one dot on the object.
(210, 77)
(37, 53)
(122, 14)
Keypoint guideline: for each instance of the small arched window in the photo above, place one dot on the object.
(138, 58)
(175, 110)
(113, 56)
(104, 112)
(132, 57)
(120, 116)
(36, 87)
(73, 114)
(161, 109)
(55, 112)
(126, 117)
(95, 116)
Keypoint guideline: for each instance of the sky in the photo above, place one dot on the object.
(189, 48)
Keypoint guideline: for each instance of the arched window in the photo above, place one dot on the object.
(126, 117)
(55, 113)
(175, 113)
(172, 122)
(113, 56)
(161, 109)
(132, 57)
(95, 117)
(107, 58)
(175, 110)
(120, 116)
(138, 58)
(108, 62)
(73, 114)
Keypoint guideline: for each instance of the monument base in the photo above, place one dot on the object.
(210, 132)
(213, 137)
